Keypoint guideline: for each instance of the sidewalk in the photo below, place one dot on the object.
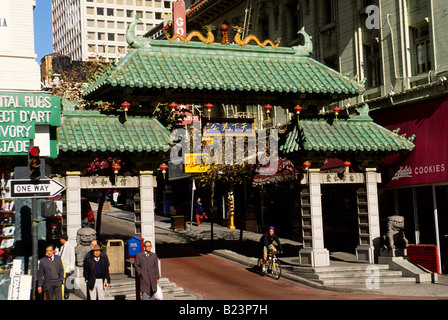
(226, 244)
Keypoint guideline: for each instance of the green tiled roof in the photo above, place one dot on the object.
(93, 131)
(355, 134)
(164, 64)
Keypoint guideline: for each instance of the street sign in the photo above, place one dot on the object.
(44, 188)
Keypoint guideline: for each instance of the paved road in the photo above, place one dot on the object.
(216, 278)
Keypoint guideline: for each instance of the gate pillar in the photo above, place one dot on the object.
(73, 203)
(313, 253)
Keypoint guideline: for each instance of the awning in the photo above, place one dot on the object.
(428, 162)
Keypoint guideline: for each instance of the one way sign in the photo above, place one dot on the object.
(44, 188)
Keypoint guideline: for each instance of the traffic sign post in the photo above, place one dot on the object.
(44, 188)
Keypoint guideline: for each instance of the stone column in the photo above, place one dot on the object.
(147, 184)
(73, 204)
(313, 253)
(368, 219)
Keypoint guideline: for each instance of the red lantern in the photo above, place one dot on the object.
(306, 165)
(116, 167)
(347, 165)
(298, 109)
(209, 108)
(336, 111)
(163, 167)
(173, 106)
(268, 109)
(125, 106)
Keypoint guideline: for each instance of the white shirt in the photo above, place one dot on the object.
(67, 254)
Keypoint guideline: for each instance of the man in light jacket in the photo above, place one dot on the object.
(67, 253)
(147, 271)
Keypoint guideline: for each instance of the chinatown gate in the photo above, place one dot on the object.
(242, 76)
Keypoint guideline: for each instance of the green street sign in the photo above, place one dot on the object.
(20, 114)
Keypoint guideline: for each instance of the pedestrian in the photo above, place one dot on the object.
(50, 275)
(199, 212)
(103, 254)
(67, 254)
(96, 274)
(147, 271)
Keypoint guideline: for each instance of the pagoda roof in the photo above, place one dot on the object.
(353, 134)
(94, 131)
(231, 69)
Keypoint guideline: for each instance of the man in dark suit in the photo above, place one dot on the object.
(51, 275)
(147, 269)
(96, 273)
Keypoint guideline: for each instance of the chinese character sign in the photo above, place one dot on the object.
(245, 128)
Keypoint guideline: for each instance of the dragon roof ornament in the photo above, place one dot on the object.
(134, 40)
(307, 49)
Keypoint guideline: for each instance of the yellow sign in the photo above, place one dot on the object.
(193, 163)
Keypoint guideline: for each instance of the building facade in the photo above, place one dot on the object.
(89, 29)
(396, 49)
(19, 70)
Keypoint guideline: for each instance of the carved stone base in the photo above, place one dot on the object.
(314, 257)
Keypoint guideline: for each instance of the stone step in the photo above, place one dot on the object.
(355, 282)
(334, 269)
(354, 275)
(351, 275)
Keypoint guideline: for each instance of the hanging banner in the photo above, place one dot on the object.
(179, 18)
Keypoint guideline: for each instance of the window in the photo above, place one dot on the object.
(111, 36)
(101, 36)
(100, 11)
(110, 12)
(422, 49)
(328, 11)
(129, 13)
(372, 65)
(294, 19)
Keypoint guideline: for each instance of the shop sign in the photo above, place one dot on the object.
(193, 163)
(20, 113)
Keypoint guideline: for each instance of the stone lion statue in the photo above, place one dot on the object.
(83, 237)
(395, 238)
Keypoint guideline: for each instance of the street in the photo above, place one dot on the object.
(216, 278)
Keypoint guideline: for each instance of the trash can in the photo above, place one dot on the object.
(178, 222)
(135, 246)
(115, 253)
